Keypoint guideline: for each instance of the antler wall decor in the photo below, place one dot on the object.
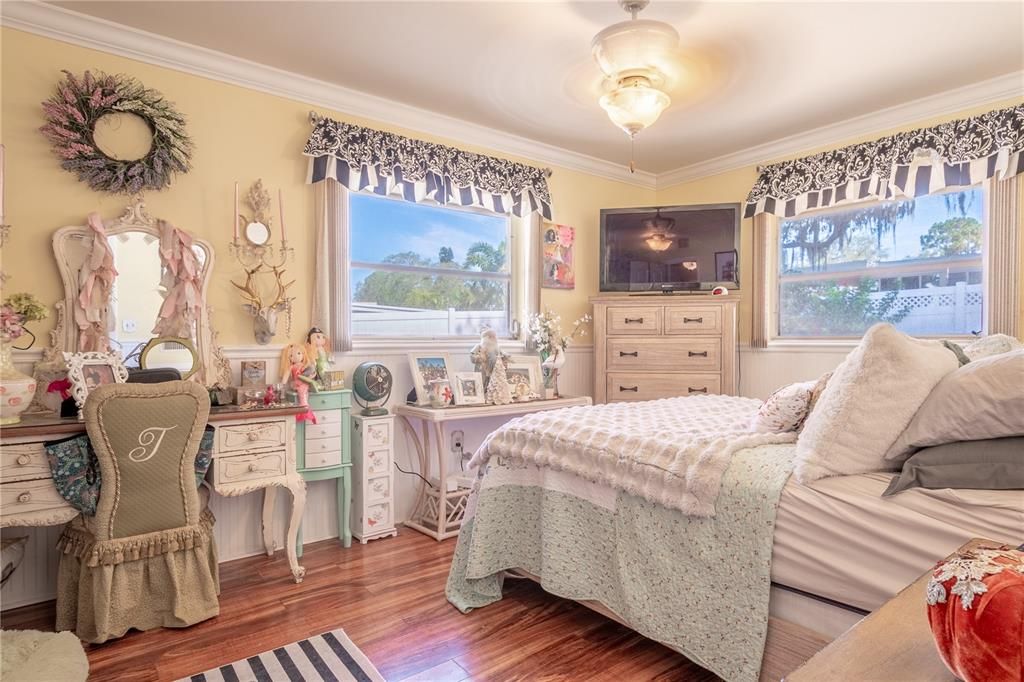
(257, 255)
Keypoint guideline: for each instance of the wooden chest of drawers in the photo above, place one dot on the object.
(650, 347)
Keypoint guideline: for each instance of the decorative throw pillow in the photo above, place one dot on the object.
(868, 402)
(785, 409)
(819, 388)
(992, 464)
(993, 344)
(983, 399)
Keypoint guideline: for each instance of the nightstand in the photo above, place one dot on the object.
(324, 452)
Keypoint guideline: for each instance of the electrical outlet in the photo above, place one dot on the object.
(458, 439)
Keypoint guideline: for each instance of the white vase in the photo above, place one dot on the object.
(16, 388)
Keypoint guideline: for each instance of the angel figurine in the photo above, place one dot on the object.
(486, 353)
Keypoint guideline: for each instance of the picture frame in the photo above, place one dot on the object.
(557, 256)
(725, 266)
(334, 380)
(525, 369)
(88, 370)
(426, 367)
(254, 373)
(468, 388)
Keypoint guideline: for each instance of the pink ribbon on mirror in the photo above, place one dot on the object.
(95, 282)
(183, 296)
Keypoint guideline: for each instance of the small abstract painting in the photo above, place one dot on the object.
(558, 245)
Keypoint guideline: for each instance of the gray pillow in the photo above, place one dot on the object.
(984, 399)
(992, 464)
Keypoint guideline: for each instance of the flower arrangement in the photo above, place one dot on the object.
(546, 331)
(17, 309)
(72, 113)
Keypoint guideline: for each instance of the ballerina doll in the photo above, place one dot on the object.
(294, 363)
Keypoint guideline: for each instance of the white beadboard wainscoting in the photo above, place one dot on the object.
(238, 519)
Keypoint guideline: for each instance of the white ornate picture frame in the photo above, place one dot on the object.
(529, 367)
(426, 367)
(86, 371)
(468, 388)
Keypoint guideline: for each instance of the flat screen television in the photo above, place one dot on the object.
(670, 248)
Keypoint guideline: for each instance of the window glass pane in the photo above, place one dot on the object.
(413, 265)
(915, 263)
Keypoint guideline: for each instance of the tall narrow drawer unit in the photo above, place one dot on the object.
(651, 347)
(373, 500)
(324, 450)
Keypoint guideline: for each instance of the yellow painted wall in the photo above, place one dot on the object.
(734, 186)
(239, 134)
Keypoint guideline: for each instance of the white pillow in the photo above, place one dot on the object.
(785, 409)
(993, 344)
(869, 401)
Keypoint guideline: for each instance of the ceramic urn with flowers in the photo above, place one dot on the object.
(976, 612)
(16, 387)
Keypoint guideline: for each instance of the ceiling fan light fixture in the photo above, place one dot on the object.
(634, 105)
(658, 242)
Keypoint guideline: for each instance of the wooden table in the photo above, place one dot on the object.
(438, 513)
(893, 643)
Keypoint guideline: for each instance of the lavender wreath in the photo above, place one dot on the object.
(71, 115)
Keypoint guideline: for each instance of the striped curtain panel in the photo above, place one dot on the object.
(764, 232)
(364, 159)
(911, 164)
(1004, 255)
(331, 305)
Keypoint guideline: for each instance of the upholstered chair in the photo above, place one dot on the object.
(147, 558)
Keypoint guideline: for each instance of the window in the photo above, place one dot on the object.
(916, 263)
(427, 271)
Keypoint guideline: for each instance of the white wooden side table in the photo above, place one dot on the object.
(438, 512)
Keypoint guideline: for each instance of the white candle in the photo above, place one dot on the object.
(234, 218)
(280, 207)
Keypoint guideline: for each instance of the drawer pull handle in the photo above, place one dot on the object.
(254, 436)
(624, 354)
(698, 320)
(703, 389)
(25, 497)
(695, 354)
(634, 320)
(23, 460)
(633, 389)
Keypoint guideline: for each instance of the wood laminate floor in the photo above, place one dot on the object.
(389, 597)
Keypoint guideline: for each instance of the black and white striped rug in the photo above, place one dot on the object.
(330, 657)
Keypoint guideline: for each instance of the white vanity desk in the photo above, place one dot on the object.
(253, 450)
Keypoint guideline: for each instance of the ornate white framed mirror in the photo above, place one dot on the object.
(138, 293)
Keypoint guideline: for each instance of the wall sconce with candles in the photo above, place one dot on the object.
(252, 247)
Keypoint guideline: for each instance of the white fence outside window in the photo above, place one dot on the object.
(950, 310)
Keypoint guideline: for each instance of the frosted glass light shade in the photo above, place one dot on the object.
(634, 106)
(634, 48)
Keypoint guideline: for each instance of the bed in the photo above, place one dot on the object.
(819, 555)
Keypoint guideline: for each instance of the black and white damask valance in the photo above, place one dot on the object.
(364, 159)
(911, 164)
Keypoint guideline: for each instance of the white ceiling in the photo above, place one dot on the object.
(751, 72)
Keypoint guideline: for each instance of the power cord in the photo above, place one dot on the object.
(411, 473)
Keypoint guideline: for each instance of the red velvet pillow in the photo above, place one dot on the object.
(976, 612)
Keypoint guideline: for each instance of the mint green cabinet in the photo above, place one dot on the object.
(324, 451)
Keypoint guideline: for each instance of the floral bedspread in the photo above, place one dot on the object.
(697, 584)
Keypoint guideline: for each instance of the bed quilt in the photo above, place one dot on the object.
(697, 584)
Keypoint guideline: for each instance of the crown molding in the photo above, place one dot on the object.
(944, 103)
(99, 34)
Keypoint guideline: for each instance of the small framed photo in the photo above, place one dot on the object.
(87, 371)
(254, 373)
(469, 388)
(427, 367)
(334, 380)
(725, 266)
(526, 378)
